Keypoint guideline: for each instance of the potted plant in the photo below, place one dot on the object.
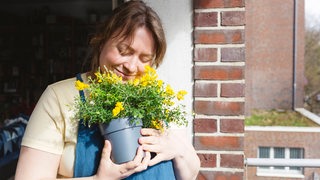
(117, 105)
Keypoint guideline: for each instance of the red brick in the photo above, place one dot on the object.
(232, 126)
(205, 175)
(231, 160)
(205, 125)
(220, 108)
(219, 36)
(225, 143)
(233, 54)
(205, 19)
(219, 72)
(232, 90)
(204, 4)
(204, 89)
(233, 18)
(205, 54)
(217, 175)
(208, 160)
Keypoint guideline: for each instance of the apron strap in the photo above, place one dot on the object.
(88, 148)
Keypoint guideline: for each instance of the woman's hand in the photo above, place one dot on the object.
(165, 144)
(109, 170)
(172, 145)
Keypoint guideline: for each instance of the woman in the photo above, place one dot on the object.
(55, 145)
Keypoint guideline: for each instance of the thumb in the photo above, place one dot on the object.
(106, 151)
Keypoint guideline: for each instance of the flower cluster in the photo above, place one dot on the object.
(145, 97)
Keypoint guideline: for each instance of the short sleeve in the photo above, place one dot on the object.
(45, 127)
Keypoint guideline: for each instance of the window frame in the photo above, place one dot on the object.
(272, 171)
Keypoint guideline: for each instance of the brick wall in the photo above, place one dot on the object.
(269, 55)
(219, 63)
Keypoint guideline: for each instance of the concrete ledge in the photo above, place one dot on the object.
(315, 118)
(282, 128)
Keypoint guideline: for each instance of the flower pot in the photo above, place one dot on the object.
(123, 134)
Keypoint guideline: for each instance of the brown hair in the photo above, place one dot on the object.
(122, 24)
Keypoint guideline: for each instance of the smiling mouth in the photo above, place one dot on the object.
(124, 75)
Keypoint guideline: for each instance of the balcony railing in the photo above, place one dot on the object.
(282, 162)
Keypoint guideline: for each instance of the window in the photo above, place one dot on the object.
(280, 153)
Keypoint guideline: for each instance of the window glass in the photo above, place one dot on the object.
(296, 153)
(279, 153)
(264, 152)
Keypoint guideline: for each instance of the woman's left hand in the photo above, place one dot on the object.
(165, 144)
(172, 144)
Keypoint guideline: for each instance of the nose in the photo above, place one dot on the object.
(131, 65)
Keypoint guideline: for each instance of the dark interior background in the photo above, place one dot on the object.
(41, 42)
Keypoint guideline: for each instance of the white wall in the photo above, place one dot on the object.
(176, 16)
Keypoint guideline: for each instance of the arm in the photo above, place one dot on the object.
(36, 164)
(174, 145)
(186, 162)
(40, 165)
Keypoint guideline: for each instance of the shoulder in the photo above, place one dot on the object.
(60, 93)
(63, 84)
(65, 88)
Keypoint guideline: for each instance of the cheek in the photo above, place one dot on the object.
(109, 57)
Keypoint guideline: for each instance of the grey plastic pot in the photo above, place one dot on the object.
(123, 133)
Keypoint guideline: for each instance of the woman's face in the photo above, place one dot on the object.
(128, 60)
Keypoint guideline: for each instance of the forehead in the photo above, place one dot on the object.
(141, 37)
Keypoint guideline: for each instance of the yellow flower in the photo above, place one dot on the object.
(80, 85)
(149, 77)
(116, 110)
(157, 124)
(149, 70)
(120, 105)
(134, 82)
(168, 102)
(116, 78)
(99, 77)
(144, 81)
(160, 83)
(181, 94)
(112, 78)
(169, 90)
(167, 112)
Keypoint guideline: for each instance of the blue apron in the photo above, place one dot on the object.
(88, 154)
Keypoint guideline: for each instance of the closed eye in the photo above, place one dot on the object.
(124, 49)
(146, 58)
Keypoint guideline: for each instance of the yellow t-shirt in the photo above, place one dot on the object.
(52, 128)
